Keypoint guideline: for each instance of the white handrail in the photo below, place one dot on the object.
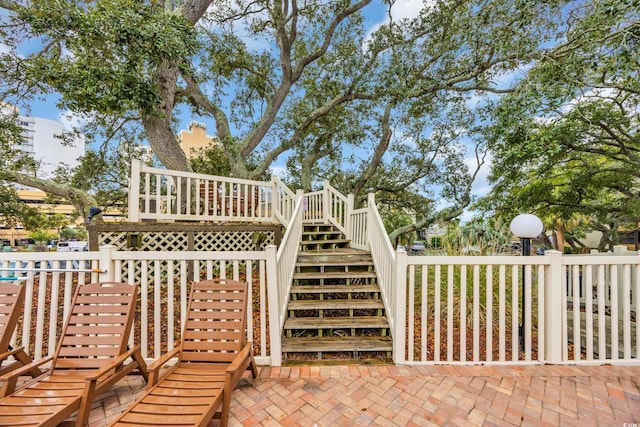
(286, 259)
(284, 201)
(336, 208)
(383, 258)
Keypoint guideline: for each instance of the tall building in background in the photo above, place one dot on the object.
(43, 140)
(46, 142)
(195, 138)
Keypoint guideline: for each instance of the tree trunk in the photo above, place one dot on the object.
(560, 240)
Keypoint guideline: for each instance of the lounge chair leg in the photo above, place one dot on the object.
(142, 365)
(85, 405)
(253, 367)
(226, 404)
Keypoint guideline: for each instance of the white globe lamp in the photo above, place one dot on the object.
(526, 227)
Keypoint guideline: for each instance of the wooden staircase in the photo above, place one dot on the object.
(335, 309)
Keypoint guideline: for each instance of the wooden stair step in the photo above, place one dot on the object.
(322, 242)
(334, 344)
(323, 233)
(360, 322)
(336, 275)
(335, 263)
(333, 289)
(336, 304)
(335, 257)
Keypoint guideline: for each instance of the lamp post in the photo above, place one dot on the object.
(526, 227)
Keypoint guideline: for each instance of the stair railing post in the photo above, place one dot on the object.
(326, 208)
(399, 301)
(275, 198)
(371, 202)
(348, 220)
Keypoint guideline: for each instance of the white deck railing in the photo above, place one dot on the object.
(170, 195)
(358, 229)
(284, 201)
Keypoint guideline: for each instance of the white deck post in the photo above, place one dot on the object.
(274, 305)
(326, 208)
(553, 309)
(348, 222)
(134, 192)
(106, 263)
(399, 304)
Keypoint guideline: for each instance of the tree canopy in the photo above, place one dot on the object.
(390, 110)
(566, 142)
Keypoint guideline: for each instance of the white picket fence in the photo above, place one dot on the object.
(441, 309)
(163, 277)
(461, 309)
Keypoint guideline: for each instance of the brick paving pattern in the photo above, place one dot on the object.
(451, 395)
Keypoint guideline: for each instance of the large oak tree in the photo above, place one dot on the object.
(388, 110)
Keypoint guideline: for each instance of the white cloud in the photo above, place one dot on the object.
(480, 186)
(401, 9)
(509, 78)
(71, 120)
(597, 94)
(280, 172)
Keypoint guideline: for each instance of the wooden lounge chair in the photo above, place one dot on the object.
(212, 358)
(91, 356)
(11, 306)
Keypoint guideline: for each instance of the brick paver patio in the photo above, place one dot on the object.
(388, 395)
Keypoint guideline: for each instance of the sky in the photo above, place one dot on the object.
(375, 17)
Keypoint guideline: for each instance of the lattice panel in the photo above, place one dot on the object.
(151, 268)
(165, 242)
(151, 241)
(234, 240)
(229, 241)
(117, 239)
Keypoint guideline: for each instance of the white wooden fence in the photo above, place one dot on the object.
(163, 277)
(464, 309)
(441, 309)
(461, 309)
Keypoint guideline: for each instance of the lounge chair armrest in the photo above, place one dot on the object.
(236, 364)
(113, 364)
(162, 360)
(9, 380)
(23, 370)
(11, 352)
(155, 366)
(237, 367)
